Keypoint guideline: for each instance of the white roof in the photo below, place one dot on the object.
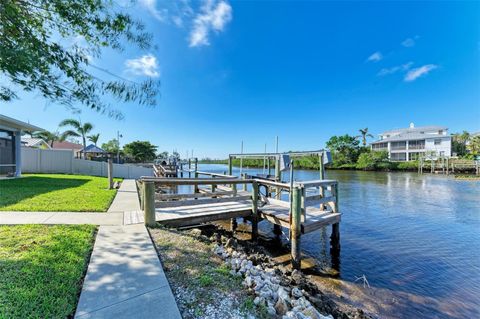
(33, 141)
(410, 137)
(407, 130)
(16, 125)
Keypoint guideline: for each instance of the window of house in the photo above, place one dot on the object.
(440, 132)
(437, 141)
(398, 145)
(415, 156)
(379, 146)
(398, 156)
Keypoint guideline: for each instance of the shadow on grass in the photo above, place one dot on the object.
(16, 190)
(42, 269)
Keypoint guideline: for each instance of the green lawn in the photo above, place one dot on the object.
(56, 193)
(42, 269)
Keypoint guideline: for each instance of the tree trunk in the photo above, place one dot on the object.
(84, 147)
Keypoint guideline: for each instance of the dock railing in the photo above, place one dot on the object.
(323, 202)
(151, 201)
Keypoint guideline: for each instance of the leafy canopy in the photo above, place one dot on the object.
(111, 146)
(345, 149)
(140, 151)
(46, 46)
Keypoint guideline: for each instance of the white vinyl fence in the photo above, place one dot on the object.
(62, 162)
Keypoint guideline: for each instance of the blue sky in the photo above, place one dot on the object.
(252, 70)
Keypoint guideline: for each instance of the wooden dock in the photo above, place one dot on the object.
(165, 170)
(223, 197)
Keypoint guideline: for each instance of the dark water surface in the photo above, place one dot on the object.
(415, 238)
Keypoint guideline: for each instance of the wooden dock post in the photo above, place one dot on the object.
(335, 237)
(149, 203)
(230, 165)
(110, 172)
(244, 176)
(254, 211)
(278, 178)
(295, 227)
(195, 187)
(189, 168)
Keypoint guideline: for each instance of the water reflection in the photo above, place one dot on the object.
(415, 238)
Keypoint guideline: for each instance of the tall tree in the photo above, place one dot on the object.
(111, 146)
(47, 46)
(474, 145)
(344, 148)
(459, 143)
(363, 135)
(94, 138)
(79, 130)
(140, 151)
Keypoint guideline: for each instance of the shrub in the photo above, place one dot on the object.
(407, 166)
(373, 160)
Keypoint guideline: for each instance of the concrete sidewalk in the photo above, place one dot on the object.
(126, 198)
(68, 218)
(125, 278)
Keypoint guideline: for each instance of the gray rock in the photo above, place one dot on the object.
(314, 314)
(271, 311)
(195, 232)
(296, 275)
(283, 294)
(296, 292)
(248, 281)
(259, 301)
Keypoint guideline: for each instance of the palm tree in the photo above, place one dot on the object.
(79, 130)
(49, 137)
(364, 134)
(94, 138)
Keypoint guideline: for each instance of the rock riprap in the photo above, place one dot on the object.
(279, 300)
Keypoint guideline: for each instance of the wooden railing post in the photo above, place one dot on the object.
(230, 165)
(195, 187)
(149, 203)
(295, 227)
(244, 176)
(110, 172)
(335, 237)
(303, 192)
(254, 211)
(278, 178)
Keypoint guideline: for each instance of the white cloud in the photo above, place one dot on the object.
(151, 6)
(398, 68)
(375, 57)
(414, 74)
(410, 42)
(213, 16)
(144, 65)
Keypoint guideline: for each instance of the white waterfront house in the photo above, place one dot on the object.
(408, 144)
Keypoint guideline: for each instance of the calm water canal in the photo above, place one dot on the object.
(415, 238)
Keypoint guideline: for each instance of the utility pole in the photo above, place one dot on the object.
(118, 150)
